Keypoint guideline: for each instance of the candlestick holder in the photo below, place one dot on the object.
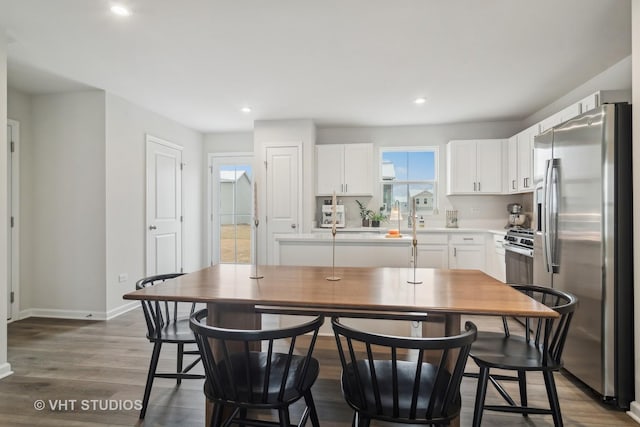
(414, 255)
(333, 277)
(255, 274)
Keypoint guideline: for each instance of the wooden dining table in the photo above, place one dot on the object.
(235, 300)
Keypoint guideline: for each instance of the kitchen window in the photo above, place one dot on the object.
(407, 173)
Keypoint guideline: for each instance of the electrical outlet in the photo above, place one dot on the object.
(123, 277)
(475, 210)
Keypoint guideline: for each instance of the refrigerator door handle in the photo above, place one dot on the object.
(554, 198)
(546, 249)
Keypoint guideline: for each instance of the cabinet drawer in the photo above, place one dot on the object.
(432, 239)
(467, 239)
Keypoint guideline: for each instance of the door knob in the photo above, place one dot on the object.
(153, 227)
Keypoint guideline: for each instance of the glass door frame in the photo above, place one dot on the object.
(215, 160)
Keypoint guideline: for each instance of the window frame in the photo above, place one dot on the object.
(436, 173)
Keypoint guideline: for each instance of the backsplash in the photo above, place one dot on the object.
(473, 211)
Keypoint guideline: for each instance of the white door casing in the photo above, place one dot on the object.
(164, 207)
(283, 198)
(13, 263)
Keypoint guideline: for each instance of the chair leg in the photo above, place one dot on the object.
(481, 394)
(216, 417)
(522, 381)
(552, 394)
(242, 415)
(313, 415)
(179, 362)
(284, 417)
(359, 420)
(153, 365)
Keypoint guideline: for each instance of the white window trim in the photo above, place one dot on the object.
(436, 171)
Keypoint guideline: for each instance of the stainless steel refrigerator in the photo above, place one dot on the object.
(583, 242)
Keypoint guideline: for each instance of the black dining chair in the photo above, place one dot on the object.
(401, 379)
(258, 370)
(537, 348)
(165, 326)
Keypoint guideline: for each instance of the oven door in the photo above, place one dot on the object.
(519, 266)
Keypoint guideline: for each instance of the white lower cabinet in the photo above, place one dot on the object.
(433, 251)
(433, 256)
(495, 265)
(466, 251)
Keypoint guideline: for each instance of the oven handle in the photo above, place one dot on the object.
(519, 250)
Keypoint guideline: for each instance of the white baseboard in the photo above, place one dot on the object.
(66, 314)
(79, 314)
(5, 370)
(111, 314)
(634, 411)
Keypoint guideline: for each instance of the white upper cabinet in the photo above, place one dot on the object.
(345, 169)
(475, 166)
(512, 164)
(525, 158)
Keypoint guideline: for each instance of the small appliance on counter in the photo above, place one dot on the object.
(516, 217)
(327, 216)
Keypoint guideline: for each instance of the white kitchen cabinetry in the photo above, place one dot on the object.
(435, 252)
(495, 265)
(561, 116)
(466, 251)
(512, 164)
(345, 169)
(525, 158)
(475, 166)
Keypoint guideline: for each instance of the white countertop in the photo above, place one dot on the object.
(384, 230)
(374, 235)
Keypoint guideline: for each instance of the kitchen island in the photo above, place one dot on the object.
(456, 248)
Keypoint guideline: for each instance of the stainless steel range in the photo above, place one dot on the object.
(518, 246)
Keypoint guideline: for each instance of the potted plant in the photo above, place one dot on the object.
(365, 213)
(376, 218)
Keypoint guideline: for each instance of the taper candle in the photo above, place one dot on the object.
(414, 218)
(333, 213)
(255, 200)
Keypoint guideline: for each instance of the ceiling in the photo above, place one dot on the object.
(338, 62)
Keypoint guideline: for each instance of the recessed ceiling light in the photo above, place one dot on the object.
(246, 110)
(120, 10)
(420, 101)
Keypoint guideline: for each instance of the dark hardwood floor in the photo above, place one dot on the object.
(87, 363)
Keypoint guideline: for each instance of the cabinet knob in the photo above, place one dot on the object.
(153, 227)
(293, 226)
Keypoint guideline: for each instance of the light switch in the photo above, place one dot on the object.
(123, 277)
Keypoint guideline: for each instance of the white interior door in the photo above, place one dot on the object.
(283, 192)
(164, 207)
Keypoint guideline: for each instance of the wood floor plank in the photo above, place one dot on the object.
(95, 360)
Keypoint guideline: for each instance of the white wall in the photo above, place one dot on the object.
(635, 53)
(68, 204)
(231, 142)
(616, 77)
(5, 368)
(19, 109)
(473, 211)
(126, 127)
